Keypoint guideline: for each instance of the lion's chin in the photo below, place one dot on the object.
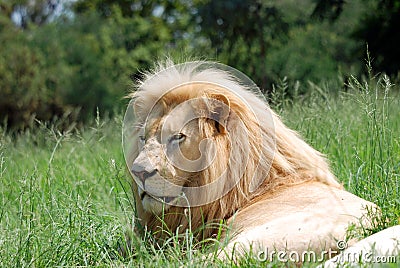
(156, 206)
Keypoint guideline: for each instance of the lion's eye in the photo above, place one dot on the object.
(178, 137)
(142, 139)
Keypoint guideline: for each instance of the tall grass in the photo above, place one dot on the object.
(359, 130)
(62, 197)
(65, 198)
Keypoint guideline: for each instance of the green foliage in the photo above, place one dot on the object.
(269, 40)
(27, 13)
(249, 35)
(68, 59)
(22, 82)
(102, 56)
(72, 67)
(296, 59)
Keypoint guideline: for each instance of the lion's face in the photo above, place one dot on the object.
(160, 146)
(175, 146)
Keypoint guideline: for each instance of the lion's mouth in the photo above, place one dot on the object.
(166, 199)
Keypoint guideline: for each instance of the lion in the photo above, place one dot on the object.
(205, 148)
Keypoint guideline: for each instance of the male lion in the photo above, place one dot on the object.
(205, 147)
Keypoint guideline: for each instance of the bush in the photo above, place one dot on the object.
(73, 67)
(23, 92)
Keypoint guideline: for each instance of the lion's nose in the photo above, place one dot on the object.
(142, 172)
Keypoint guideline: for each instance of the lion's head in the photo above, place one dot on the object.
(203, 139)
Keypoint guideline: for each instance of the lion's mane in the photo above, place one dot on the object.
(277, 154)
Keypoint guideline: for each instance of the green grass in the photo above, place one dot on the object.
(359, 131)
(65, 198)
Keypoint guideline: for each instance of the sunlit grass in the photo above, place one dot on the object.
(65, 198)
(359, 131)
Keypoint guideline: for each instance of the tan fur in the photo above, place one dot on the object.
(298, 194)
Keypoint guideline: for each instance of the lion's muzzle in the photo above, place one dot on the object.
(143, 172)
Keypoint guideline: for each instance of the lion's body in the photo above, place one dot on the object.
(273, 188)
(309, 216)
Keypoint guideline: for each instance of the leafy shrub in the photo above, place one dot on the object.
(73, 67)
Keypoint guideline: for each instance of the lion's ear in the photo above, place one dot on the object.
(218, 109)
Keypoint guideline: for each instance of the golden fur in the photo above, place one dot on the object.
(277, 160)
